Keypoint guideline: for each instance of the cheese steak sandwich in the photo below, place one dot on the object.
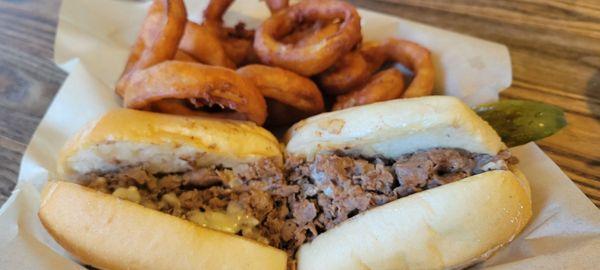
(420, 183)
(154, 191)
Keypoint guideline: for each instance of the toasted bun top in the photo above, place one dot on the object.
(110, 233)
(448, 227)
(164, 143)
(394, 128)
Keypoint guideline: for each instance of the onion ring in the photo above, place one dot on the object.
(200, 42)
(215, 10)
(212, 45)
(313, 58)
(287, 88)
(157, 40)
(353, 69)
(198, 86)
(349, 72)
(417, 59)
(236, 41)
(184, 57)
(384, 85)
(239, 50)
(312, 34)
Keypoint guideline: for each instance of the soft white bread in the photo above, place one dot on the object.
(447, 227)
(164, 143)
(393, 128)
(110, 233)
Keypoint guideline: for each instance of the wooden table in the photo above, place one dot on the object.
(554, 46)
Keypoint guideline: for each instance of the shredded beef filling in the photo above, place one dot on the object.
(316, 196)
(248, 200)
(335, 187)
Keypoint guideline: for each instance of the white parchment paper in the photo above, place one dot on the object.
(92, 44)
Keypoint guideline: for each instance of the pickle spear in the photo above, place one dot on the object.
(520, 121)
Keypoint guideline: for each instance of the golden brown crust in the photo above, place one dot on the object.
(285, 86)
(384, 85)
(314, 58)
(157, 40)
(223, 142)
(200, 42)
(206, 84)
(418, 59)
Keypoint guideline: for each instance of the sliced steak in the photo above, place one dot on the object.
(339, 187)
(317, 195)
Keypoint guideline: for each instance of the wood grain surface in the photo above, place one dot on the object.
(554, 47)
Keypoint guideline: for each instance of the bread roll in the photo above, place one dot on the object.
(447, 227)
(392, 128)
(110, 233)
(164, 143)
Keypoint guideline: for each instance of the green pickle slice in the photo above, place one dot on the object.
(520, 121)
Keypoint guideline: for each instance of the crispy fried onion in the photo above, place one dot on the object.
(207, 41)
(202, 43)
(195, 89)
(355, 68)
(240, 51)
(282, 87)
(215, 10)
(384, 85)
(157, 40)
(183, 56)
(215, 44)
(418, 60)
(312, 33)
(308, 59)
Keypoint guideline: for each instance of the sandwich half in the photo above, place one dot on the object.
(420, 183)
(152, 191)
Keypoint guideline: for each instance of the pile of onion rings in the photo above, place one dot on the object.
(348, 76)
(302, 57)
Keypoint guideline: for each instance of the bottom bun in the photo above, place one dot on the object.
(110, 233)
(450, 226)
